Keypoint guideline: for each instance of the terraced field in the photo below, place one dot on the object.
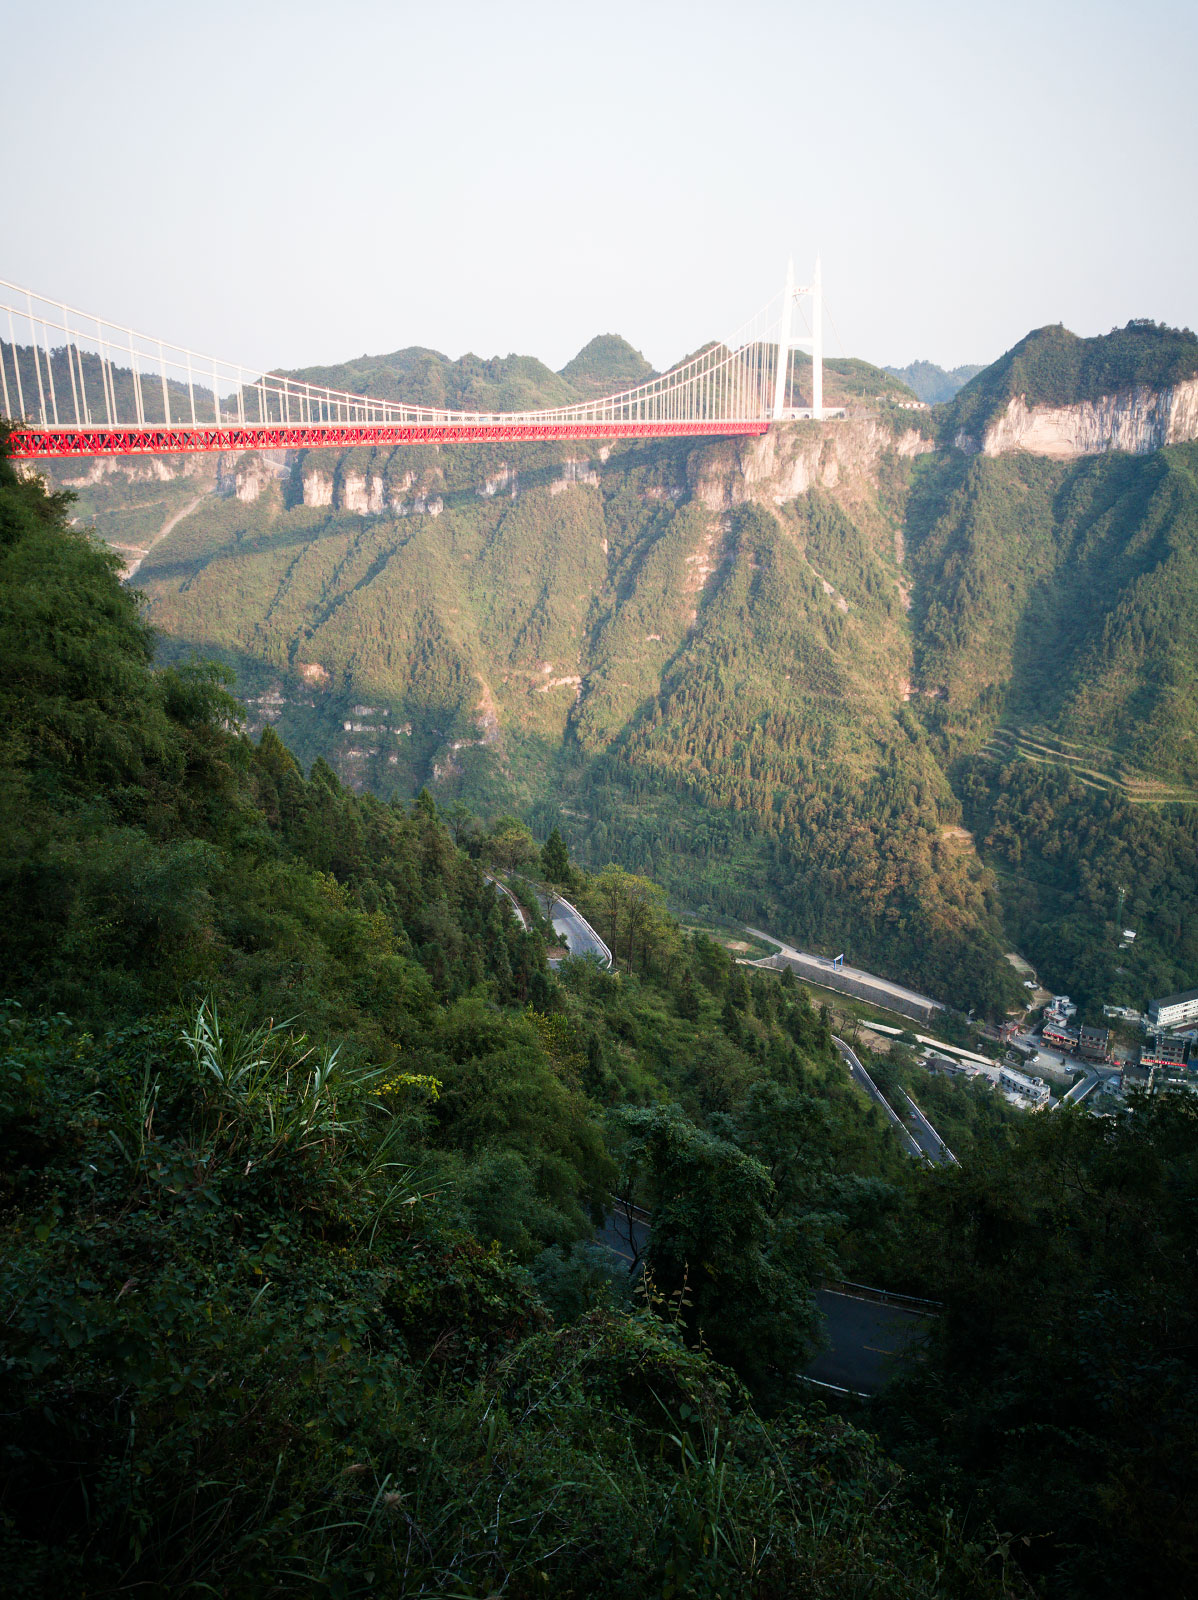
(1094, 765)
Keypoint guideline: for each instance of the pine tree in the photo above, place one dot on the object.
(555, 860)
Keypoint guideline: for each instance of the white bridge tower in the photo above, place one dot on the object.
(814, 291)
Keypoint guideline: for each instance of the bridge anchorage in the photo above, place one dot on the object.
(79, 385)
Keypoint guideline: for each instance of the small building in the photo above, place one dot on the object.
(1166, 1053)
(950, 1066)
(1016, 1082)
(1124, 1013)
(1174, 1010)
(1094, 1043)
(1056, 1033)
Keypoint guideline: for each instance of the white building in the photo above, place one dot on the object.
(1016, 1082)
(1174, 1010)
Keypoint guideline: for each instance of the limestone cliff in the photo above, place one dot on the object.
(792, 458)
(1137, 420)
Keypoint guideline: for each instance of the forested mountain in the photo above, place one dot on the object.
(302, 1147)
(606, 365)
(780, 677)
(931, 383)
(1053, 367)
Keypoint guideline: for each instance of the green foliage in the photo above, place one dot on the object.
(932, 384)
(1067, 851)
(555, 860)
(284, 1198)
(263, 1330)
(732, 1266)
(1060, 1384)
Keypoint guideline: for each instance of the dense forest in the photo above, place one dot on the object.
(583, 641)
(304, 1147)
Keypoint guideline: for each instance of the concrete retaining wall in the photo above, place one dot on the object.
(906, 1004)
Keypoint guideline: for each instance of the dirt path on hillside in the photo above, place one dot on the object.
(171, 522)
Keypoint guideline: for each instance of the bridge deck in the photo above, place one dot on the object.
(39, 443)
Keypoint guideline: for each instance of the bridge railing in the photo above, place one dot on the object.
(902, 1302)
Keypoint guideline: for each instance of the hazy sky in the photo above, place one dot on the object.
(293, 183)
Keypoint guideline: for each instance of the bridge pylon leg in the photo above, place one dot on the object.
(780, 376)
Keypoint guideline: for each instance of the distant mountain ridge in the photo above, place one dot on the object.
(606, 365)
(931, 383)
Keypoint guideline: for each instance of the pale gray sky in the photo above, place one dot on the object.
(293, 183)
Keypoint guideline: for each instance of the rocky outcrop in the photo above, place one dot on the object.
(368, 494)
(318, 487)
(574, 471)
(1137, 420)
(246, 476)
(503, 479)
(143, 469)
(363, 493)
(792, 458)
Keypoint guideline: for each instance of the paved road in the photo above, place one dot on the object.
(579, 937)
(863, 1081)
(625, 1232)
(926, 1137)
(1081, 1090)
(821, 970)
(866, 1340)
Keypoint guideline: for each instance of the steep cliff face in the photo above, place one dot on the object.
(790, 460)
(1138, 420)
(245, 477)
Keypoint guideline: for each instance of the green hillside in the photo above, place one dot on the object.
(683, 693)
(427, 378)
(931, 383)
(1066, 589)
(848, 381)
(303, 1148)
(605, 366)
(1057, 660)
(786, 711)
(497, 383)
(1054, 367)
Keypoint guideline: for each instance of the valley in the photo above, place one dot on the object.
(773, 674)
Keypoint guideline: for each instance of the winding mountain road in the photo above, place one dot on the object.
(923, 1142)
(867, 1340)
(577, 934)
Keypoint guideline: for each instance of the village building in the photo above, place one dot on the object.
(1174, 1010)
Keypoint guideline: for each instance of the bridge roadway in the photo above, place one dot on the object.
(33, 443)
(576, 932)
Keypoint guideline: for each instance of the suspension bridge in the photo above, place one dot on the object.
(75, 384)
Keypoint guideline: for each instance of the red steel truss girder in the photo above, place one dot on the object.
(31, 443)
